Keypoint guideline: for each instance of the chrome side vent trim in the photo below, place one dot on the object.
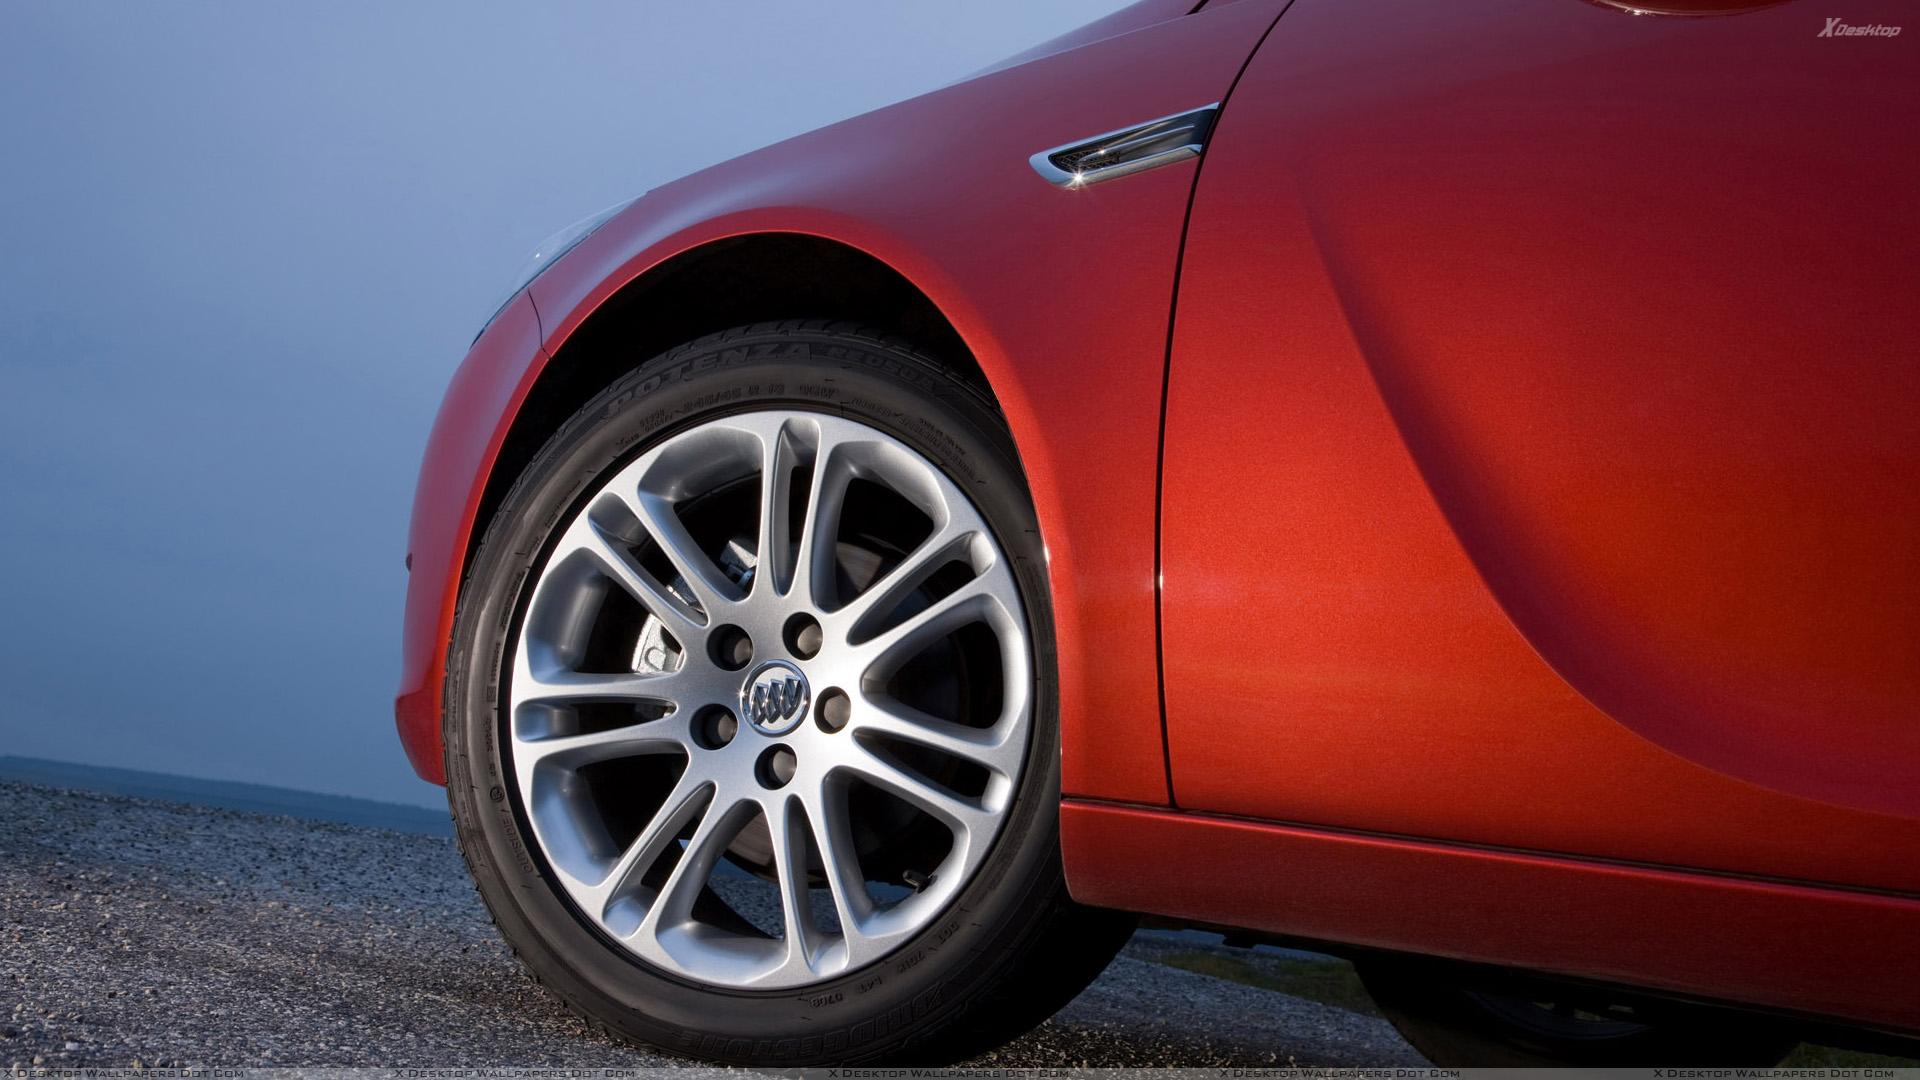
(1127, 151)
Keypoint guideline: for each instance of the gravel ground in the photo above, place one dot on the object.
(171, 935)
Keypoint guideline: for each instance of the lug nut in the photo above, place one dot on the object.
(832, 710)
(714, 727)
(775, 767)
(730, 647)
(803, 636)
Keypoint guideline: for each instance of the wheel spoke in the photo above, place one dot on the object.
(570, 687)
(720, 822)
(656, 735)
(815, 575)
(883, 654)
(710, 585)
(689, 795)
(682, 620)
(663, 736)
(990, 748)
(961, 815)
(774, 573)
(833, 839)
(790, 846)
(948, 543)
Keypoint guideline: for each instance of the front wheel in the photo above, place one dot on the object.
(750, 720)
(1461, 1023)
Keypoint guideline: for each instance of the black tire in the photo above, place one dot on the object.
(1457, 1024)
(1010, 950)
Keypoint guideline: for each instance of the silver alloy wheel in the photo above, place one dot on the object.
(782, 697)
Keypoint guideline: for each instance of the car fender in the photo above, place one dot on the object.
(1062, 296)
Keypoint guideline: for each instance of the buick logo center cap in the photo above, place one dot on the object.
(775, 697)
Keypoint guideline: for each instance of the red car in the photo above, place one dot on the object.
(1440, 482)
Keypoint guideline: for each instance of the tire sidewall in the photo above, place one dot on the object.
(864, 379)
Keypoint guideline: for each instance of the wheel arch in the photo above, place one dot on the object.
(732, 281)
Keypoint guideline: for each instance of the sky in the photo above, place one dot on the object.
(246, 245)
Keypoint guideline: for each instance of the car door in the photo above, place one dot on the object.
(1542, 441)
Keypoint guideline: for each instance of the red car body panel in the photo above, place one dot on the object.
(1063, 297)
(473, 420)
(1536, 513)
(1824, 952)
(1585, 367)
